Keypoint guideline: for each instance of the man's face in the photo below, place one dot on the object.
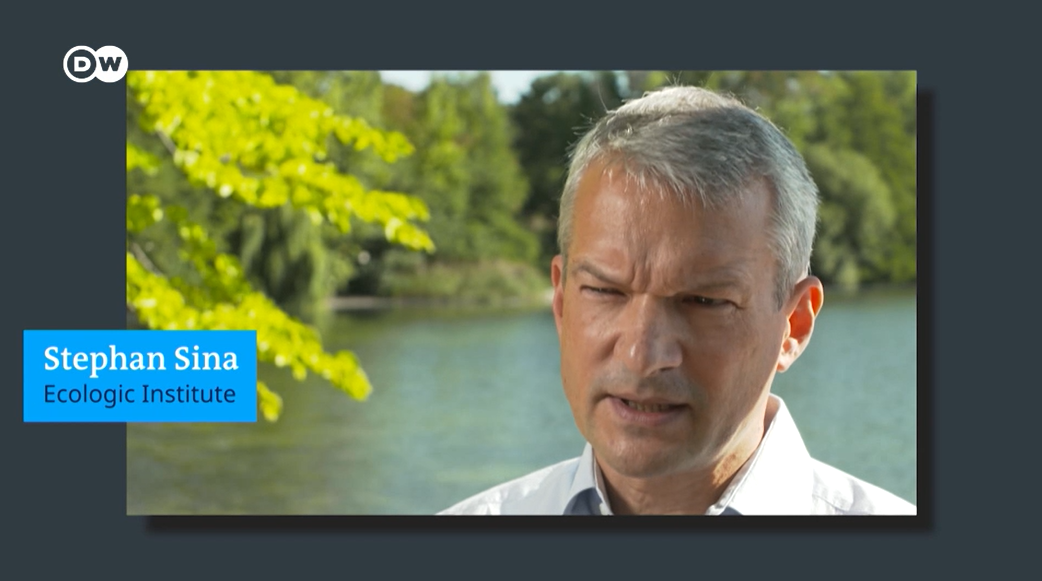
(670, 333)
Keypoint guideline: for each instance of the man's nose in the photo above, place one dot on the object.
(649, 341)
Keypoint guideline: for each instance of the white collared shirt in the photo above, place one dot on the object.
(780, 478)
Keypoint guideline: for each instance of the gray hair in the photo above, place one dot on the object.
(699, 144)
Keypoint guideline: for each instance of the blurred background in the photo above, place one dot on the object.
(436, 279)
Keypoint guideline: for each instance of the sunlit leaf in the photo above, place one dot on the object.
(261, 144)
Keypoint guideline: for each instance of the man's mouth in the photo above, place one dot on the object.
(650, 407)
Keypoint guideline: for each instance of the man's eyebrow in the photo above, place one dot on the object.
(723, 279)
(718, 285)
(726, 278)
(588, 268)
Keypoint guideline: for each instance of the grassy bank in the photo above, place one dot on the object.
(490, 283)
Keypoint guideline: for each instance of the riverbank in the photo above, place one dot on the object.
(370, 303)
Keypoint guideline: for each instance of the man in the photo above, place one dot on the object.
(682, 287)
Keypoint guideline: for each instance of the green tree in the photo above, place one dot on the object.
(550, 117)
(856, 216)
(880, 112)
(467, 173)
(255, 144)
(498, 188)
(439, 170)
(296, 261)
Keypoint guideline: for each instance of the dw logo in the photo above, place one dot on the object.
(108, 64)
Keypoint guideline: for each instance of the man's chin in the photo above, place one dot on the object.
(635, 462)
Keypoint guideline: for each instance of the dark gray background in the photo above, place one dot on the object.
(63, 239)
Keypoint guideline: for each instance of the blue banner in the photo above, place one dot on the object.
(139, 376)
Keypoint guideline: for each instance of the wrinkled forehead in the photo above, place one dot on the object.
(649, 185)
(623, 206)
(650, 240)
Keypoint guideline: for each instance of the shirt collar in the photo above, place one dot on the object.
(777, 478)
(589, 480)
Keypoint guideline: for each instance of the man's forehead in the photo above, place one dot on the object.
(648, 187)
(616, 196)
(604, 174)
(622, 227)
(612, 198)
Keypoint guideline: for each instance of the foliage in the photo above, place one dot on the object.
(485, 282)
(294, 260)
(856, 215)
(550, 118)
(467, 173)
(261, 145)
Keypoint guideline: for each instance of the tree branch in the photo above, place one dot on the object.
(167, 142)
(142, 257)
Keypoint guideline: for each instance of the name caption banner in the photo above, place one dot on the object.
(139, 376)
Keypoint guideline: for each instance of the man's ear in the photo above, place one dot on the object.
(557, 278)
(803, 308)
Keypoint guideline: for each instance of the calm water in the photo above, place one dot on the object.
(467, 399)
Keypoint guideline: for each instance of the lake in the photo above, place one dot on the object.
(467, 398)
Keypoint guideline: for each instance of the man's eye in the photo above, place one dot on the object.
(601, 290)
(704, 301)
